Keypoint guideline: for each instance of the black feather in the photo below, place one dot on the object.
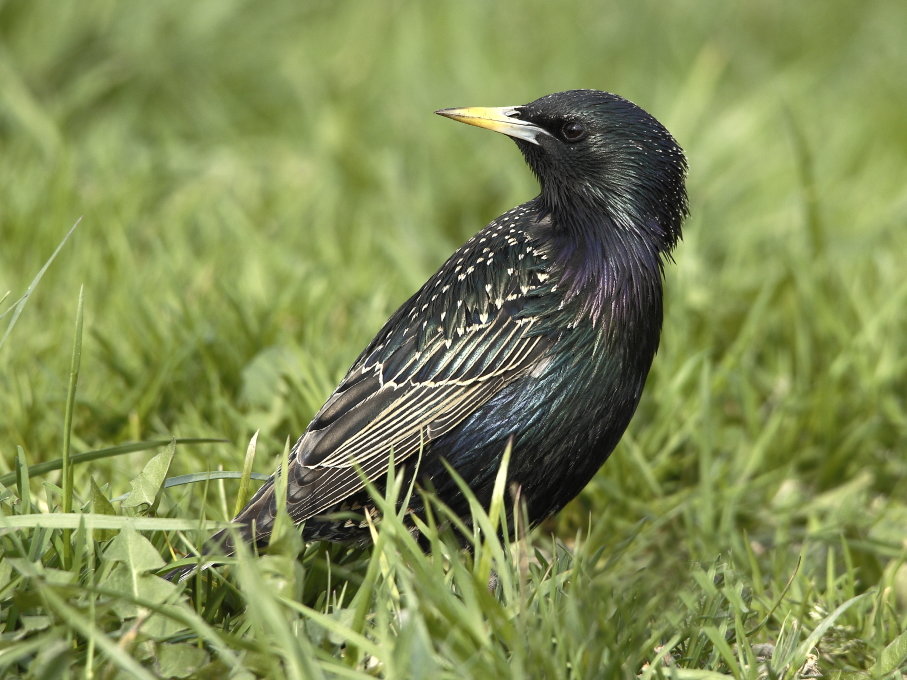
(540, 330)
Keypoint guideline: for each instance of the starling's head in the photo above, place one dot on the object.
(595, 152)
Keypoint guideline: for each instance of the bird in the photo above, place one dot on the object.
(537, 334)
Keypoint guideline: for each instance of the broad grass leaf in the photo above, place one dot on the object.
(101, 505)
(180, 660)
(135, 551)
(893, 656)
(139, 586)
(146, 488)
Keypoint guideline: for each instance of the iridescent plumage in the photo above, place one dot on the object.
(540, 330)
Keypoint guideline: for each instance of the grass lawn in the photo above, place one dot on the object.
(256, 187)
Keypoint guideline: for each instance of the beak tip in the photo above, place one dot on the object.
(500, 119)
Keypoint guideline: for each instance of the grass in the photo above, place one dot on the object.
(260, 186)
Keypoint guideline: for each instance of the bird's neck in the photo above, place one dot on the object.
(611, 269)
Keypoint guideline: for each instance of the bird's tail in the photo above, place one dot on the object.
(220, 544)
(252, 525)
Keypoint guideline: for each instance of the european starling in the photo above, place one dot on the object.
(539, 331)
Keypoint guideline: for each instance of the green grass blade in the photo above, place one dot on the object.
(21, 478)
(94, 521)
(243, 494)
(20, 304)
(67, 421)
(196, 477)
(99, 454)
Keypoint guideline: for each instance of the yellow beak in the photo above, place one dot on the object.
(504, 120)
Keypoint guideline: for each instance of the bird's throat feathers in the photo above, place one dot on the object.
(610, 268)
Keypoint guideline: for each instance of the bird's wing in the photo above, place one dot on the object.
(404, 403)
(399, 396)
(470, 331)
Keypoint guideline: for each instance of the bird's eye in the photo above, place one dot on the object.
(573, 131)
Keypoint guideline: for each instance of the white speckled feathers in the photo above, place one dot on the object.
(419, 379)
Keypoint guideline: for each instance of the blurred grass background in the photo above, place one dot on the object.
(261, 185)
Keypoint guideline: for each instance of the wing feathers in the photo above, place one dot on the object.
(374, 414)
(430, 368)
